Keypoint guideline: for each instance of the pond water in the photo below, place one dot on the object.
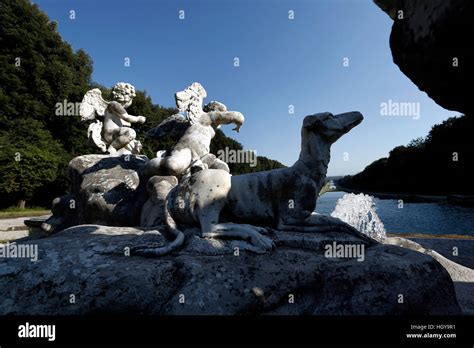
(432, 218)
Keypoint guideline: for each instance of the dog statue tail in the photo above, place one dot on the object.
(148, 250)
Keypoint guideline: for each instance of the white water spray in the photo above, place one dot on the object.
(359, 211)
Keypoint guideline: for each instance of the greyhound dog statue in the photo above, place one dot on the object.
(284, 199)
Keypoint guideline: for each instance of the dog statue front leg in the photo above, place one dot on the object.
(320, 223)
(260, 243)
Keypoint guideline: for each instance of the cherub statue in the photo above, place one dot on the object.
(193, 146)
(114, 134)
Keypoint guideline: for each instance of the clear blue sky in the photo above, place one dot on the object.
(282, 62)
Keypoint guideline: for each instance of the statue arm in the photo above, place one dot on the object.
(120, 111)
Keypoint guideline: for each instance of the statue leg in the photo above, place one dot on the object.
(175, 164)
(320, 223)
(124, 136)
(208, 217)
(178, 162)
(252, 234)
(215, 163)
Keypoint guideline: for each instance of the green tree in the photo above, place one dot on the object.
(38, 70)
(29, 159)
(442, 163)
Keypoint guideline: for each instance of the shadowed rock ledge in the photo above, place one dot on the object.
(89, 262)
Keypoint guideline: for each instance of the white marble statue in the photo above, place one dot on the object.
(284, 198)
(113, 135)
(192, 149)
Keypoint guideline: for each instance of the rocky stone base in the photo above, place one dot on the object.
(90, 266)
(105, 190)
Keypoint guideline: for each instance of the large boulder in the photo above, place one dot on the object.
(104, 190)
(431, 42)
(87, 270)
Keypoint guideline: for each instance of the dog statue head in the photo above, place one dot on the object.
(331, 127)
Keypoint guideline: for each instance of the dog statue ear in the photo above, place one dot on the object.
(316, 121)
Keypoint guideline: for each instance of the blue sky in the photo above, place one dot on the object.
(283, 62)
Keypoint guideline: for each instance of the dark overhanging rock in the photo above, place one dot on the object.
(426, 42)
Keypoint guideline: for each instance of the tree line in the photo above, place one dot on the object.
(442, 163)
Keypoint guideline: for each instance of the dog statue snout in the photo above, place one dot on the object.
(350, 119)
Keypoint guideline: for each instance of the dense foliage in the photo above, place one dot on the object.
(38, 70)
(441, 163)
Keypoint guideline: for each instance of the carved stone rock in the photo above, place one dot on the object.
(104, 190)
(91, 261)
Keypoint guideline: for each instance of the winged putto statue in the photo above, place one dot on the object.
(193, 132)
(111, 132)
